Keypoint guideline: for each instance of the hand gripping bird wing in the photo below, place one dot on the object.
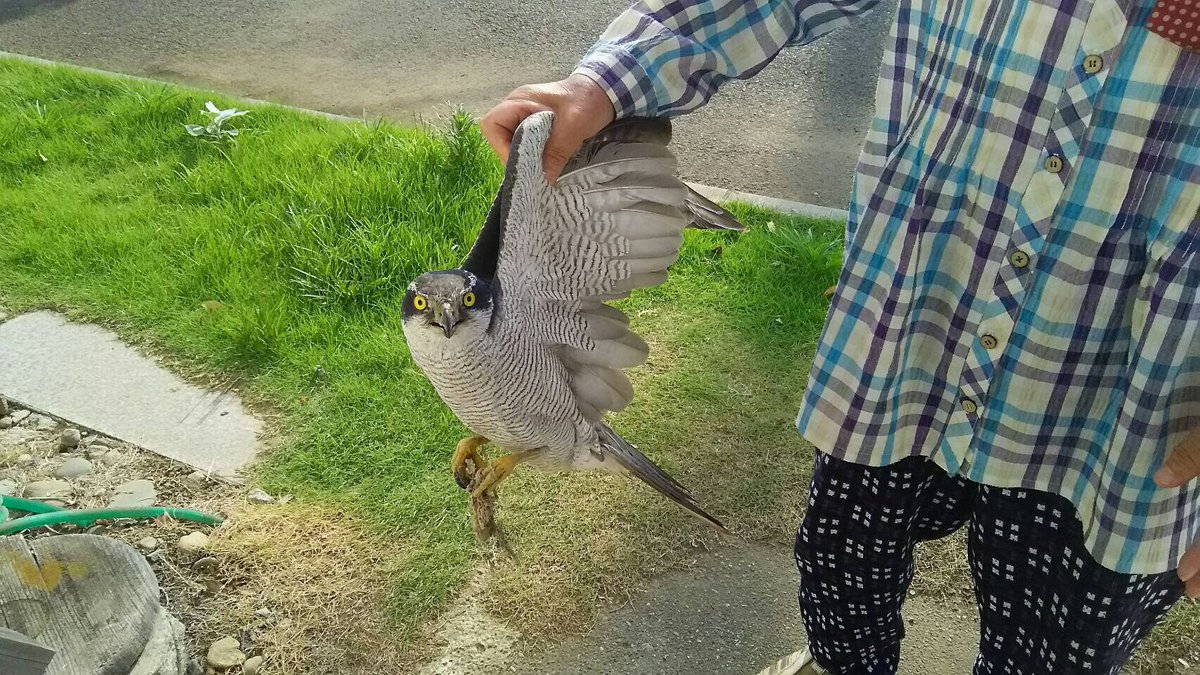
(612, 223)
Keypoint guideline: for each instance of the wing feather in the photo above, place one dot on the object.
(612, 223)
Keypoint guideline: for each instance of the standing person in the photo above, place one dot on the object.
(1014, 342)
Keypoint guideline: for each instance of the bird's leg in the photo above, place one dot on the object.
(495, 472)
(467, 449)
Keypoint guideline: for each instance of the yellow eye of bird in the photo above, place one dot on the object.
(419, 303)
(469, 300)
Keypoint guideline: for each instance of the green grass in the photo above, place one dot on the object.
(306, 230)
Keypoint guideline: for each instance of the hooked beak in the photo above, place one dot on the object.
(446, 319)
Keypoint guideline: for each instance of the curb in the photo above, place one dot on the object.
(785, 205)
(150, 80)
(714, 193)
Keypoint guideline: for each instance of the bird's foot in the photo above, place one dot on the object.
(493, 473)
(467, 450)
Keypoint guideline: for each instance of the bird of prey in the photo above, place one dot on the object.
(519, 342)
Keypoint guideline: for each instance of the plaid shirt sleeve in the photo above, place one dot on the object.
(667, 57)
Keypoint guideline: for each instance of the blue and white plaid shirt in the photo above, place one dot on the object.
(1019, 300)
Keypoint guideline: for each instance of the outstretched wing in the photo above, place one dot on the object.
(705, 214)
(612, 223)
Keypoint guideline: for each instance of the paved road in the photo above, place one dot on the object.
(731, 613)
(735, 613)
(793, 132)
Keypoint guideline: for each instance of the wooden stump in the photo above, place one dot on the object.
(91, 599)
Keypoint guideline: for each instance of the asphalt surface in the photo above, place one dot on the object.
(734, 612)
(794, 131)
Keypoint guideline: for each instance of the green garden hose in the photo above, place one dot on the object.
(29, 505)
(44, 515)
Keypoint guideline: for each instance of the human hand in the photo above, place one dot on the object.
(1182, 465)
(581, 109)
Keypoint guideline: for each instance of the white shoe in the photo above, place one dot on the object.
(796, 663)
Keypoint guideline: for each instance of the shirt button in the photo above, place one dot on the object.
(1019, 259)
(989, 341)
(1054, 163)
(1092, 63)
(969, 406)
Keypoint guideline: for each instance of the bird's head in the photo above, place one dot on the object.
(453, 302)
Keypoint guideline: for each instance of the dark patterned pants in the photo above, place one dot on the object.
(1045, 605)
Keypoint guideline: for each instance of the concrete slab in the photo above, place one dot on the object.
(85, 374)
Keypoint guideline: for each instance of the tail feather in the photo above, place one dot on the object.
(640, 465)
(708, 215)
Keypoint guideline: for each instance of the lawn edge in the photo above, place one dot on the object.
(718, 194)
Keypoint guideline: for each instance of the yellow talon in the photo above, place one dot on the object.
(493, 473)
(467, 449)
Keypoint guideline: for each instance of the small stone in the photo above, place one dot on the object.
(193, 543)
(134, 493)
(206, 565)
(263, 613)
(25, 458)
(112, 457)
(19, 416)
(98, 530)
(148, 543)
(43, 423)
(196, 478)
(74, 467)
(257, 496)
(69, 439)
(212, 587)
(48, 489)
(6, 422)
(8, 488)
(101, 442)
(225, 653)
(252, 665)
(3, 407)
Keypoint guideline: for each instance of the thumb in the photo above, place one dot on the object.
(1183, 462)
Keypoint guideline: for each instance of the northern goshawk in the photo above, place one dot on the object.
(519, 342)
